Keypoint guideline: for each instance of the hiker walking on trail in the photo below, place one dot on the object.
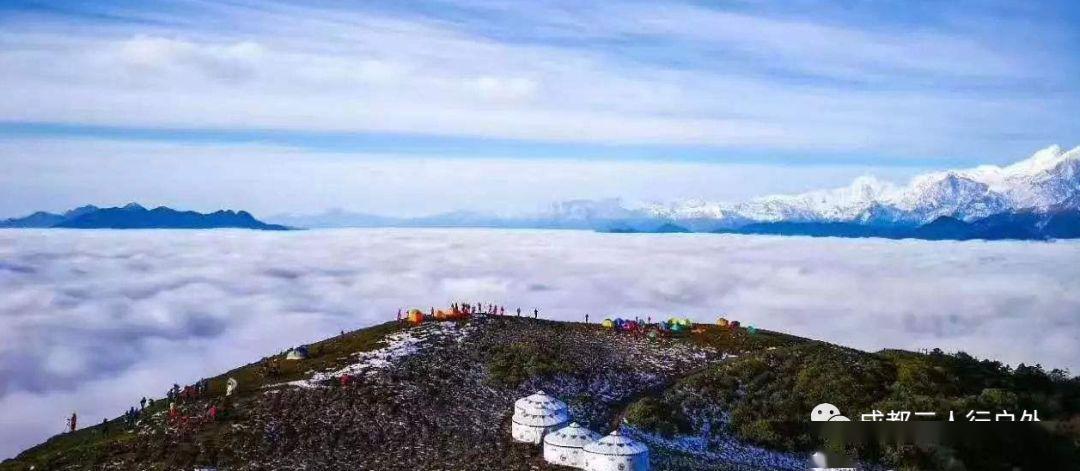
(502, 310)
(536, 313)
(73, 422)
(519, 312)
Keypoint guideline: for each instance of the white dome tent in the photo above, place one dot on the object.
(564, 446)
(616, 453)
(539, 400)
(535, 416)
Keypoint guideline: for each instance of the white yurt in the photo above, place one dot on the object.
(535, 416)
(541, 400)
(564, 446)
(616, 453)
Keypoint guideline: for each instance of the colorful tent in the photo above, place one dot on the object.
(751, 330)
(415, 317)
(608, 324)
(449, 315)
(735, 324)
(722, 322)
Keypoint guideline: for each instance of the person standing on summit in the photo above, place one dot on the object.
(536, 313)
(73, 422)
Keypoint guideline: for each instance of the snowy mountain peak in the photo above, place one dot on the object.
(1050, 178)
(1043, 161)
(585, 210)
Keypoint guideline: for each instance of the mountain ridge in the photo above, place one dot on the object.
(1028, 194)
(1040, 182)
(135, 216)
(439, 395)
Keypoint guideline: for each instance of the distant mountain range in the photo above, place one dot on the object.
(134, 216)
(1035, 198)
(1020, 226)
(1046, 182)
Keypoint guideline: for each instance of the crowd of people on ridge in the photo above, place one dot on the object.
(467, 309)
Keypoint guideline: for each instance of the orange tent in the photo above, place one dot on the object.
(415, 317)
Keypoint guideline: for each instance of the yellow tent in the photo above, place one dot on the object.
(722, 322)
(416, 317)
(608, 324)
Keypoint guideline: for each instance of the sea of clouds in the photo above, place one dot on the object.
(91, 321)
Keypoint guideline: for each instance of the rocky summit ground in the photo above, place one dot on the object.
(439, 397)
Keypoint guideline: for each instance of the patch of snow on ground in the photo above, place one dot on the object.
(728, 449)
(397, 345)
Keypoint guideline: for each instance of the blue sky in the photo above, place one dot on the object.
(191, 97)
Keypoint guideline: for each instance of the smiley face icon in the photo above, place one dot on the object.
(826, 412)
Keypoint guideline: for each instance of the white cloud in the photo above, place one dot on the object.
(94, 320)
(616, 74)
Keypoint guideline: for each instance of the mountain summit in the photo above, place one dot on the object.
(441, 395)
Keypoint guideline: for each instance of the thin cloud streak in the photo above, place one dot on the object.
(630, 74)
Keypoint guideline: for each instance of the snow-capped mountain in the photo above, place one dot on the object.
(1038, 197)
(1048, 180)
(590, 210)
